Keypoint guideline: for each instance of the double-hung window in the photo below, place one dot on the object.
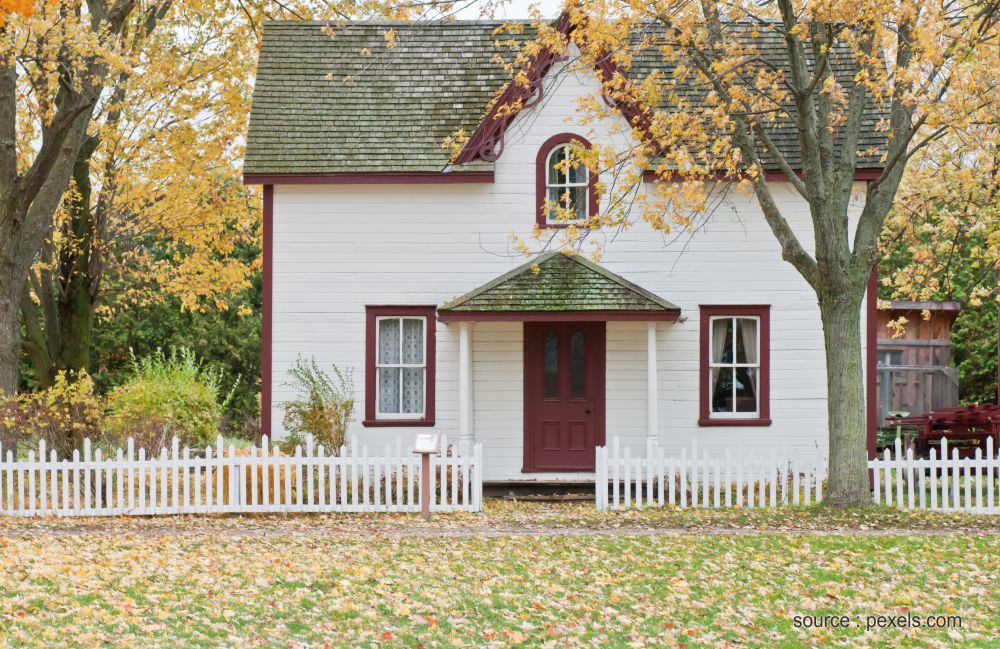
(567, 184)
(400, 366)
(566, 189)
(735, 365)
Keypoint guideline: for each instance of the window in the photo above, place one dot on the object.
(564, 182)
(735, 366)
(566, 185)
(399, 366)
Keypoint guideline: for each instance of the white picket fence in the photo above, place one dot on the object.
(939, 482)
(225, 480)
(694, 479)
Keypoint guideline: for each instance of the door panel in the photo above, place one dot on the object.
(563, 395)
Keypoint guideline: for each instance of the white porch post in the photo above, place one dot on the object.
(652, 392)
(465, 417)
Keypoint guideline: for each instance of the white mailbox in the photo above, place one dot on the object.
(427, 443)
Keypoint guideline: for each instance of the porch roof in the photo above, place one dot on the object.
(564, 288)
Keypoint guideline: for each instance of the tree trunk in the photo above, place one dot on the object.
(76, 281)
(12, 276)
(11, 285)
(76, 318)
(847, 484)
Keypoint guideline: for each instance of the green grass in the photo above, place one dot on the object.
(391, 581)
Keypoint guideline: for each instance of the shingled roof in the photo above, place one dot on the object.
(341, 102)
(562, 283)
(322, 106)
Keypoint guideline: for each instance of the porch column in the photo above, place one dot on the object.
(652, 392)
(465, 427)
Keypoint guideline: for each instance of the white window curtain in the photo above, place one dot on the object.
(720, 330)
(748, 334)
(401, 366)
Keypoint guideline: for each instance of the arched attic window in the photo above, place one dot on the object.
(563, 181)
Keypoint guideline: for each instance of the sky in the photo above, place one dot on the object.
(511, 9)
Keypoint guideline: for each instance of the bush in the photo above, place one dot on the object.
(324, 407)
(167, 396)
(63, 415)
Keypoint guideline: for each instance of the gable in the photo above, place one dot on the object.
(561, 283)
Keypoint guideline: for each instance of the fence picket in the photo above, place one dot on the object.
(992, 474)
(10, 482)
(672, 484)
(956, 482)
(682, 472)
(967, 483)
(43, 496)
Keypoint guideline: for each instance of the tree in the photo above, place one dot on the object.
(54, 66)
(932, 66)
(155, 204)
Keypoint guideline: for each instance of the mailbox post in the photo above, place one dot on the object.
(426, 444)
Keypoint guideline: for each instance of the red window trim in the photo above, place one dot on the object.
(540, 159)
(372, 312)
(762, 311)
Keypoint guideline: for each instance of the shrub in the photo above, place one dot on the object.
(324, 407)
(62, 415)
(167, 395)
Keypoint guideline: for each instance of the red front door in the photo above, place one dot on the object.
(563, 395)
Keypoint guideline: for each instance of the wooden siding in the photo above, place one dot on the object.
(340, 248)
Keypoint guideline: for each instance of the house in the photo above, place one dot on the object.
(384, 255)
(915, 374)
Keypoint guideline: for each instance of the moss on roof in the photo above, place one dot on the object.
(341, 102)
(321, 105)
(563, 283)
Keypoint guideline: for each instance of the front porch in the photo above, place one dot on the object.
(548, 354)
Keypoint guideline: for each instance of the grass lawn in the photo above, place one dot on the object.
(499, 579)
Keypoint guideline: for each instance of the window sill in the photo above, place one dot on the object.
(707, 421)
(386, 423)
(565, 224)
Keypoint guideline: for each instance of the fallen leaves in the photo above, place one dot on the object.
(485, 581)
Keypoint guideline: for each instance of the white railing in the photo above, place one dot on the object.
(970, 484)
(222, 480)
(691, 479)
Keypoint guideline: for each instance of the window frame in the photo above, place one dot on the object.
(542, 185)
(709, 313)
(373, 315)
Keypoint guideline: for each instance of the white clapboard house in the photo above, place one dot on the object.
(383, 255)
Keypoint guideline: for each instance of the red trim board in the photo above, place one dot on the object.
(266, 310)
(558, 316)
(773, 175)
(372, 312)
(384, 178)
(762, 311)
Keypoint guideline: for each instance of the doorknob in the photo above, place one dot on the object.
(587, 411)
